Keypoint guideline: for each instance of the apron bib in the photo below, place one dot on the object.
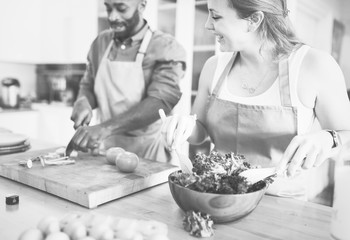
(260, 133)
(118, 87)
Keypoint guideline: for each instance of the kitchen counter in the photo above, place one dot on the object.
(274, 218)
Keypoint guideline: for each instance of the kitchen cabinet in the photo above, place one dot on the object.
(21, 122)
(54, 123)
(47, 31)
(48, 122)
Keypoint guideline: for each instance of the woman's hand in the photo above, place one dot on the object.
(306, 151)
(176, 129)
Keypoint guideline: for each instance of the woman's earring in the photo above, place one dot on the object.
(250, 26)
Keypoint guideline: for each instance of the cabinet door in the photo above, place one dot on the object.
(68, 28)
(20, 31)
(55, 124)
(47, 31)
(21, 122)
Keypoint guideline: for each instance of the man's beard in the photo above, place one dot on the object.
(129, 26)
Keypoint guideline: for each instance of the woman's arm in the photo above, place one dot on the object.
(321, 86)
(199, 133)
(178, 128)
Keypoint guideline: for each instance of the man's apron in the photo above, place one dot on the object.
(260, 133)
(120, 86)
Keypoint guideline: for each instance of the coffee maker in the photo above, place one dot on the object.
(10, 88)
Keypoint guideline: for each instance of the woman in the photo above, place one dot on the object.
(266, 99)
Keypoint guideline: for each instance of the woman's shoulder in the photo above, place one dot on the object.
(319, 61)
(319, 73)
(320, 66)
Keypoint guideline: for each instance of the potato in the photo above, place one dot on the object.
(31, 234)
(49, 225)
(127, 228)
(57, 236)
(69, 218)
(101, 232)
(75, 230)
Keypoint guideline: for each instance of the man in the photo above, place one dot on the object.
(132, 72)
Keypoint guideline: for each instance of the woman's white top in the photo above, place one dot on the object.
(306, 117)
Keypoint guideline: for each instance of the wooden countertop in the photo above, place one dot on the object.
(274, 218)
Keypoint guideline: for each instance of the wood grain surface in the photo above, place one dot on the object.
(273, 219)
(90, 182)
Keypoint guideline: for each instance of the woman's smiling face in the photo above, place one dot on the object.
(230, 30)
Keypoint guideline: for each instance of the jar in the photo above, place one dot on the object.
(10, 93)
(340, 224)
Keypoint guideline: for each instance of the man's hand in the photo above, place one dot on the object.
(82, 113)
(89, 137)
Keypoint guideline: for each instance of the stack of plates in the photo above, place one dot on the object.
(12, 142)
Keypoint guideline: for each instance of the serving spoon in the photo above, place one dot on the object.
(254, 175)
(185, 163)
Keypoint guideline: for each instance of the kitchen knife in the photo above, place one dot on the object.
(69, 148)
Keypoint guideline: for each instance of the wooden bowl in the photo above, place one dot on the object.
(221, 207)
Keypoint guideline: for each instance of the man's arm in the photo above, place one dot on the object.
(163, 90)
(86, 88)
(141, 115)
(86, 100)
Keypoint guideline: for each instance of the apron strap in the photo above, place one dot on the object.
(108, 49)
(144, 45)
(223, 75)
(284, 83)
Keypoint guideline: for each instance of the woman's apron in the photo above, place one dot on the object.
(260, 133)
(119, 86)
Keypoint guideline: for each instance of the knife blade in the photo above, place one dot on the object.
(69, 148)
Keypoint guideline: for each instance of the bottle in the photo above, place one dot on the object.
(340, 223)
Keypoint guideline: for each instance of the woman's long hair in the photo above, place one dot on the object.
(275, 30)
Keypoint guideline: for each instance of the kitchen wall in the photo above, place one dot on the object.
(345, 57)
(345, 54)
(338, 8)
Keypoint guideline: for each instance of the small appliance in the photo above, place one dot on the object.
(10, 88)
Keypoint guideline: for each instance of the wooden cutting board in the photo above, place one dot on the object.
(90, 182)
